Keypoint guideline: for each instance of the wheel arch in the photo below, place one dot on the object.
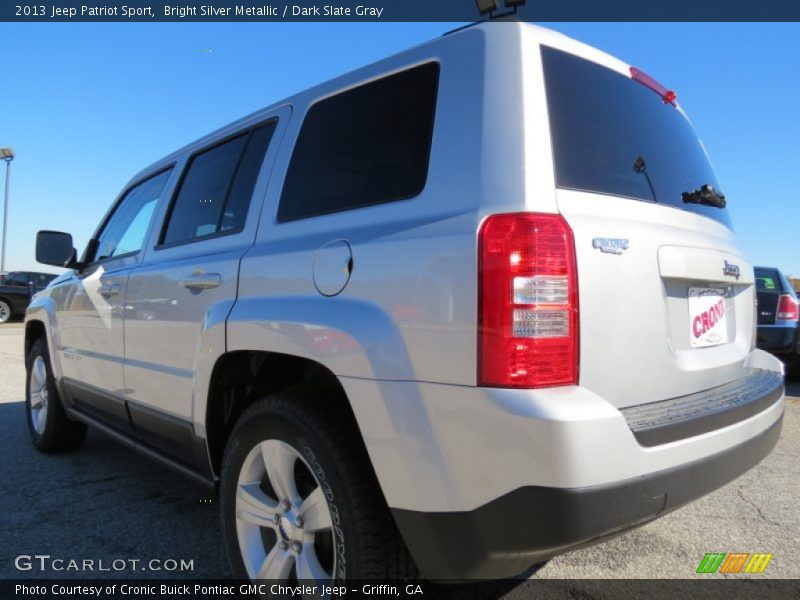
(40, 321)
(34, 329)
(241, 377)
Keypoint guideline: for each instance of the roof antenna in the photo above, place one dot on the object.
(490, 6)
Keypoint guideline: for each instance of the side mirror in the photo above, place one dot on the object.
(55, 248)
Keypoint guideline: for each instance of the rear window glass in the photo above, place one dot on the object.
(603, 122)
(767, 280)
(772, 280)
(365, 146)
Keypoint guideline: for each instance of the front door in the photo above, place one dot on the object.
(90, 307)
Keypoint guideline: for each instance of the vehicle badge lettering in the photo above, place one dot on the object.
(731, 270)
(611, 245)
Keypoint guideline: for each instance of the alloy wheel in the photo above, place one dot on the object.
(38, 394)
(283, 520)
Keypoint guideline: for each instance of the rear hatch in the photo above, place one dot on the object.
(666, 298)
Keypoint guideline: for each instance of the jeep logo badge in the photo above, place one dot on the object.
(731, 270)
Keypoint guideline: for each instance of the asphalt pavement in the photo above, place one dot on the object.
(107, 503)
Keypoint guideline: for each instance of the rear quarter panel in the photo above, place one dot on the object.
(409, 309)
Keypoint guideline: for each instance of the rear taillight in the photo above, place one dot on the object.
(787, 309)
(528, 313)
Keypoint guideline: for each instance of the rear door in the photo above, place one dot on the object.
(666, 299)
(178, 301)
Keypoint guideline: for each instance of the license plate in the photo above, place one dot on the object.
(707, 320)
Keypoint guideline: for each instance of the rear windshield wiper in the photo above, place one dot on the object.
(640, 166)
(706, 195)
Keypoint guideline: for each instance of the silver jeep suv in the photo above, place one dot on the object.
(448, 315)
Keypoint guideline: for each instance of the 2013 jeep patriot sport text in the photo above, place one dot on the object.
(446, 316)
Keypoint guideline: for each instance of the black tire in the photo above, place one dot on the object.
(5, 311)
(60, 433)
(366, 540)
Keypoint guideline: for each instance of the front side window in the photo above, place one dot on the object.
(125, 231)
(216, 190)
(368, 145)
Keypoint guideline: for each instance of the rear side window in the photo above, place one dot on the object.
(365, 146)
(217, 187)
(603, 122)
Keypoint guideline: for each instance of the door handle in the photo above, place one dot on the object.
(200, 281)
(108, 290)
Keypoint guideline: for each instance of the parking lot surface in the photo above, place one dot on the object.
(105, 502)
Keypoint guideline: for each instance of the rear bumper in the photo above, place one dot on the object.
(667, 421)
(510, 534)
(778, 340)
(484, 482)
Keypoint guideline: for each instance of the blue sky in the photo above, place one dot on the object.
(85, 106)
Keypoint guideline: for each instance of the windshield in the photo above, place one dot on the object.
(613, 135)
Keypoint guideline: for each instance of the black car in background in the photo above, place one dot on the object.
(777, 312)
(16, 290)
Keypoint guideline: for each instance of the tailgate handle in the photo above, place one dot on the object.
(705, 265)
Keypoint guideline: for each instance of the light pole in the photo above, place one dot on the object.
(7, 154)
